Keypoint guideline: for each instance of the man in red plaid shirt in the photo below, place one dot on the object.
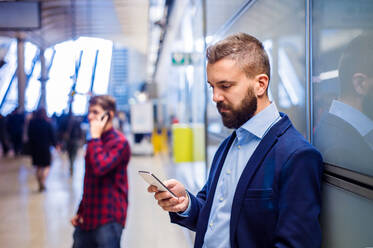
(102, 211)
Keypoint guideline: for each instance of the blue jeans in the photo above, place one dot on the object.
(106, 236)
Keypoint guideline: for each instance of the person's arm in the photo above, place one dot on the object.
(104, 158)
(184, 201)
(195, 205)
(199, 201)
(299, 200)
(78, 216)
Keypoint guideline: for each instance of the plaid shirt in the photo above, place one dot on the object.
(105, 196)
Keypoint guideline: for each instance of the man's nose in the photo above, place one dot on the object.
(217, 96)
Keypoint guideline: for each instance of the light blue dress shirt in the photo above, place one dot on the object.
(248, 138)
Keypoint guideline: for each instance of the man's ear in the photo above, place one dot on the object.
(261, 85)
(359, 81)
(111, 115)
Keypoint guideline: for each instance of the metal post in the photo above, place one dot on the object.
(21, 75)
(75, 80)
(43, 79)
(204, 31)
(93, 73)
(309, 107)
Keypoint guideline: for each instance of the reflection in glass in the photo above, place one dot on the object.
(343, 89)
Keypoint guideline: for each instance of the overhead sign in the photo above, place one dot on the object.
(20, 15)
(183, 58)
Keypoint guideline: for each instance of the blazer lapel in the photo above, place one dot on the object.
(269, 140)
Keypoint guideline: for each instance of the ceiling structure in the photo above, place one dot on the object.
(122, 21)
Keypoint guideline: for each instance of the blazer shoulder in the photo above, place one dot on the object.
(292, 141)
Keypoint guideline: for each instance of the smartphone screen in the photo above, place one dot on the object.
(153, 180)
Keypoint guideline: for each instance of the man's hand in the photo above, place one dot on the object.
(97, 126)
(76, 220)
(167, 201)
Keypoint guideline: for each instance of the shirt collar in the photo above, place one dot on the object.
(352, 116)
(260, 123)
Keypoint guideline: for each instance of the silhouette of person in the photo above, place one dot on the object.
(41, 138)
(3, 135)
(15, 124)
(73, 140)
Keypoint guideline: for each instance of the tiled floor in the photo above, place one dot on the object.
(36, 220)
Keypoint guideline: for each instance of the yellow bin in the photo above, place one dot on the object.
(198, 142)
(182, 142)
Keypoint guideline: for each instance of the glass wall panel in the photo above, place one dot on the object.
(280, 25)
(6, 73)
(181, 86)
(343, 82)
(218, 12)
(346, 219)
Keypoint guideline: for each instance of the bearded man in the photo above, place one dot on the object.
(264, 186)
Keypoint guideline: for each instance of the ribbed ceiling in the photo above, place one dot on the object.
(122, 21)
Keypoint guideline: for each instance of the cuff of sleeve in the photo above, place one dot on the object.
(186, 212)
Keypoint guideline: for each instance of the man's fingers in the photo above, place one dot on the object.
(168, 202)
(170, 183)
(152, 189)
(176, 208)
(162, 195)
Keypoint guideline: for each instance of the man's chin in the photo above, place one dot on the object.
(229, 122)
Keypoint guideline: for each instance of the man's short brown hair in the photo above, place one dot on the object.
(105, 101)
(246, 50)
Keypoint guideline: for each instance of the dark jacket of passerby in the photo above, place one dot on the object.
(15, 122)
(41, 138)
(3, 135)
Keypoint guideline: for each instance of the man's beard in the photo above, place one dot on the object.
(235, 118)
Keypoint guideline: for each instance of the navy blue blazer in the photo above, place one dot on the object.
(277, 199)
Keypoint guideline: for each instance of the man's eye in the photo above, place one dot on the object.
(225, 86)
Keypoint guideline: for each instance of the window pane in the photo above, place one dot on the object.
(219, 11)
(343, 83)
(285, 45)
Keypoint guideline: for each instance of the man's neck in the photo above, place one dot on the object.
(353, 101)
(108, 126)
(262, 104)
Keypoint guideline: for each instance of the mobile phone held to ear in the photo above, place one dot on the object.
(153, 180)
(105, 114)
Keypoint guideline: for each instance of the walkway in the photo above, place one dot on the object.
(36, 220)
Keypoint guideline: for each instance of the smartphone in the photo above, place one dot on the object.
(105, 114)
(153, 180)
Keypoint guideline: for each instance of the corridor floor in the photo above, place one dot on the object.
(36, 220)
